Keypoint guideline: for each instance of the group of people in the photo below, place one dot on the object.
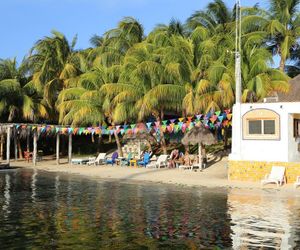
(178, 158)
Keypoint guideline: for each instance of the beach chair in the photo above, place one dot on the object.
(276, 176)
(125, 162)
(160, 162)
(97, 161)
(297, 183)
(79, 161)
(113, 158)
(187, 163)
(184, 167)
(145, 161)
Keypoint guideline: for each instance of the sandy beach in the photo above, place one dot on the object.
(213, 176)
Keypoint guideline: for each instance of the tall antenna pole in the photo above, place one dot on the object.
(238, 31)
(237, 112)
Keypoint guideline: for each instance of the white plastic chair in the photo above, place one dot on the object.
(160, 162)
(79, 161)
(185, 167)
(100, 159)
(276, 176)
(297, 183)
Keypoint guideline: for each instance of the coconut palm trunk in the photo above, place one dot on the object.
(19, 148)
(282, 64)
(119, 145)
(162, 136)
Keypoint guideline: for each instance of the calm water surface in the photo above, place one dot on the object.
(41, 210)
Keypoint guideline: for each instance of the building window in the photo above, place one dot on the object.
(261, 127)
(255, 127)
(261, 124)
(269, 127)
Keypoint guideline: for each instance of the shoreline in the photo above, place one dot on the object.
(215, 176)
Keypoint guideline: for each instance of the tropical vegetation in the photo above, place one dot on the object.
(177, 69)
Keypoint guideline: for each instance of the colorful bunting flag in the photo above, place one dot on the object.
(209, 120)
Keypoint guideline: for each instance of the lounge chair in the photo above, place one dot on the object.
(276, 176)
(97, 161)
(297, 183)
(186, 163)
(145, 161)
(113, 158)
(185, 167)
(79, 161)
(161, 162)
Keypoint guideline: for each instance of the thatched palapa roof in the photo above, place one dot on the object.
(294, 93)
(199, 135)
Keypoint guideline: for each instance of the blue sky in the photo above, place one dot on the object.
(23, 22)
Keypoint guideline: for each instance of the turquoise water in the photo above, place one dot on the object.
(40, 210)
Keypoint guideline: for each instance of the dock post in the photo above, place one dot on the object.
(8, 145)
(15, 143)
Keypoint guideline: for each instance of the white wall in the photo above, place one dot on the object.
(294, 154)
(285, 149)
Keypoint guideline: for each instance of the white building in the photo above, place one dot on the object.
(266, 134)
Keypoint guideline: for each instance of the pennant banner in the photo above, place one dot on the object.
(211, 120)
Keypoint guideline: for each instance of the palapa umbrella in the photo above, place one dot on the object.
(201, 136)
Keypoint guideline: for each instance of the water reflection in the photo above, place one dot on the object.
(263, 220)
(33, 185)
(5, 206)
(57, 211)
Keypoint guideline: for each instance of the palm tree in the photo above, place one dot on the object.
(96, 40)
(53, 62)
(216, 14)
(80, 102)
(216, 89)
(280, 26)
(18, 101)
(175, 27)
(284, 28)
(158, 75)
(116, 42)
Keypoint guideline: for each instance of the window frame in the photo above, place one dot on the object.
(261, 115)
(262, 126)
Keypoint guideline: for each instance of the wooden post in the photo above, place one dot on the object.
(34, 147)
(57, 148)
(200, 155)
(15, 143)
(8, 145)
(70, 148)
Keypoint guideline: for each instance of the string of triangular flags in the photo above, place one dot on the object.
(210, 120)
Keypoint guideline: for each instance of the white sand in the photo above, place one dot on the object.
(214, 176)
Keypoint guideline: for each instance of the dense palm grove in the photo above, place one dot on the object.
(179, 68)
